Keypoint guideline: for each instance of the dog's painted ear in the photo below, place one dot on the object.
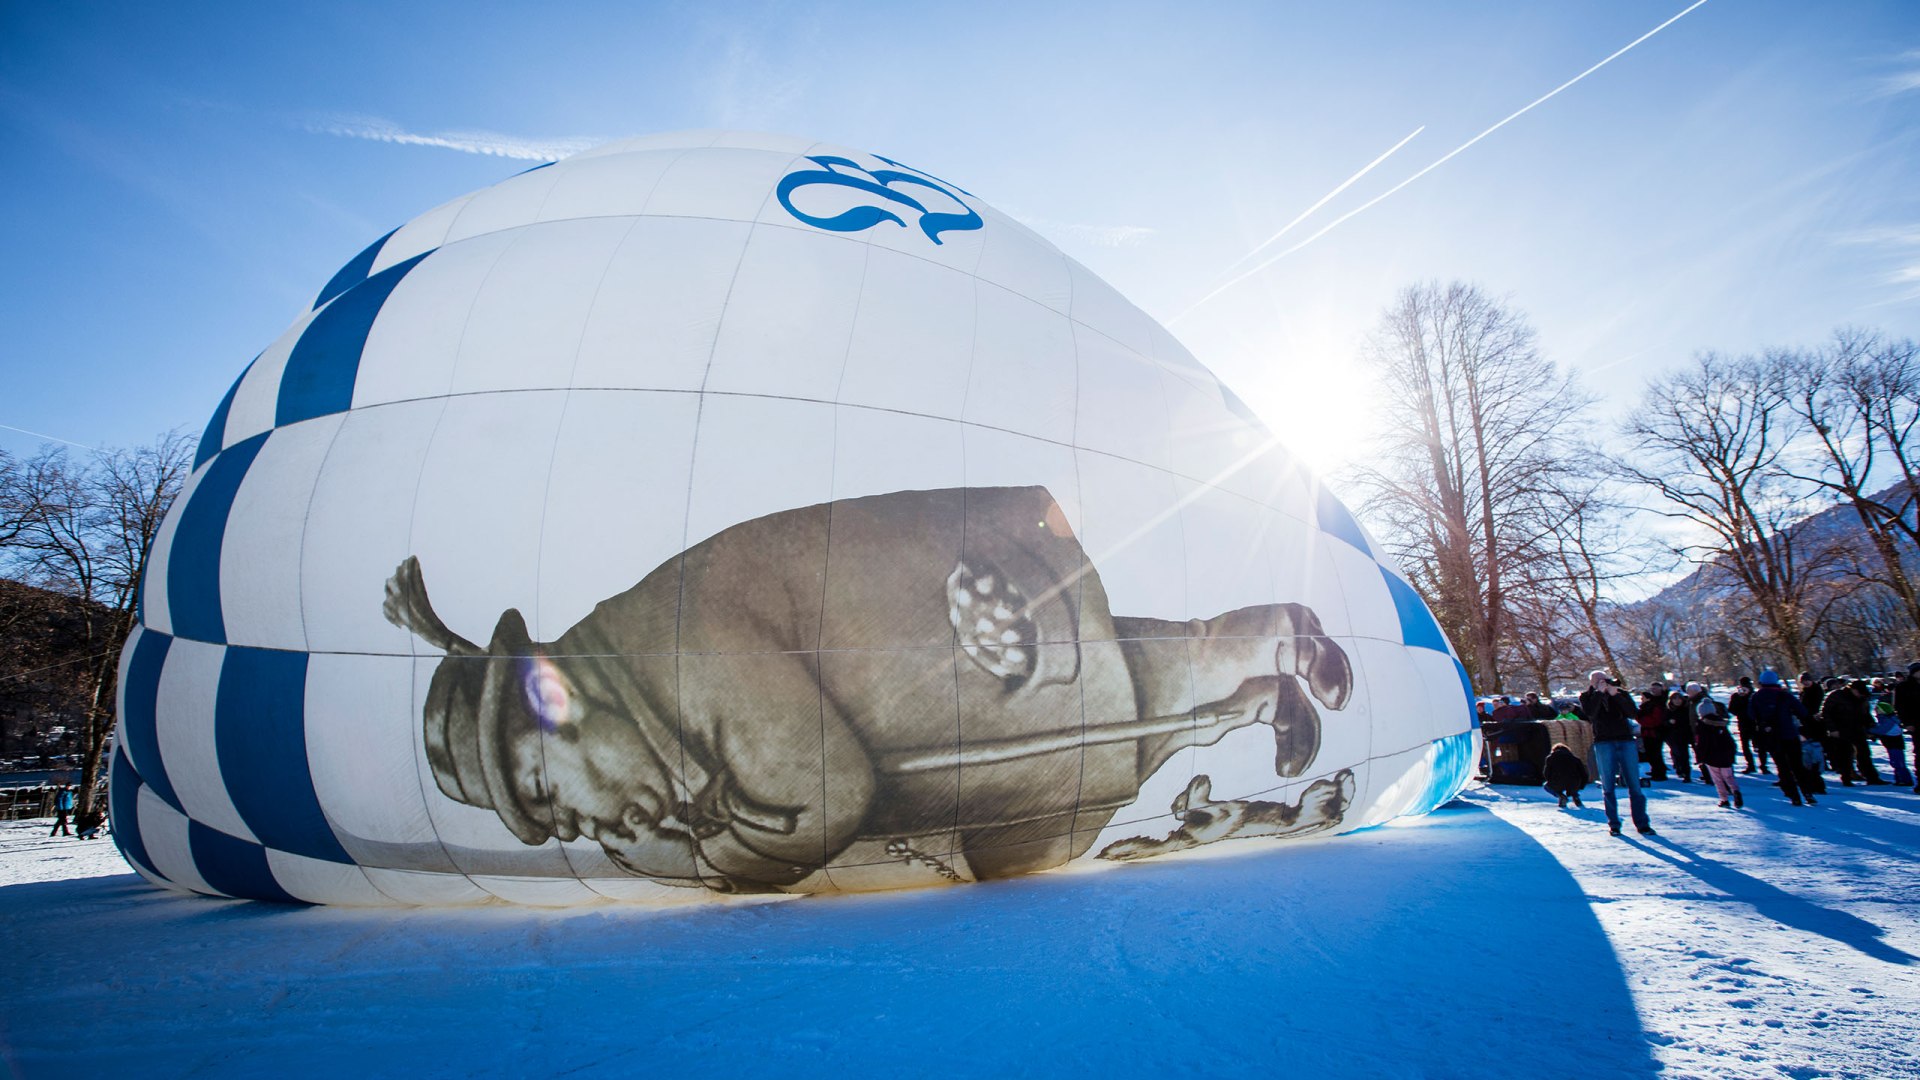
(1317, 658)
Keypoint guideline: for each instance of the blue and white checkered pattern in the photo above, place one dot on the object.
(268, 737)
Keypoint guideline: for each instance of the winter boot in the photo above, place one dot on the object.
(1563, 802)
(1738, 802)
(1723, 804)
(1578, 803)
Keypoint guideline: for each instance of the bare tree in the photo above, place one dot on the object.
(86, 530)
(1541, 640)
(1591, 548)
(1709, 441)
(1847, 399)
(1456, 487)
(14, 511)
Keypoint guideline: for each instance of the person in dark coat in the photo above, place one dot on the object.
(1906, 706)
(1715, 744)
(1852, 720)
(1541, 710)
(1812, 694)
(1566, 774)
(1837, 724)
(1777, 716)
(1653, 718)
(1677, 733)
(1609, 709)
(87, 826)
(1737, 703)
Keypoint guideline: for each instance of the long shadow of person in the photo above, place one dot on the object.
(1779, 905)
(1843, 822)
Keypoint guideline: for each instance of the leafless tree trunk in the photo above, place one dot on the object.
(1456, 485)
(86, 530)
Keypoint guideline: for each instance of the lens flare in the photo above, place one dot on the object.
(548, 695)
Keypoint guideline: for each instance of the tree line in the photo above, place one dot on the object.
(1784, 482)
(76, 529)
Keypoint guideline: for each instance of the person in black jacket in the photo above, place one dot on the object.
(1777, 716)
(1677, 733)
(1737, 703)
(1610, 711)
(1566, 774)
(1852, 722)
(1714, 743)
(1838, 723)
(1906, 705)
(1812, 695)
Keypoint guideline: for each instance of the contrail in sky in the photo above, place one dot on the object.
(490, 143)
(51, 438)
(1328, 197)
(1448, 156)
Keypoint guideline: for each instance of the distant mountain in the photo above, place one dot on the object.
(1836, 525)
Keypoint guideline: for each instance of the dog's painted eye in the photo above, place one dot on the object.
(992, 623)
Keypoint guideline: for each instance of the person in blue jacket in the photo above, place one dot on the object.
(62, 807)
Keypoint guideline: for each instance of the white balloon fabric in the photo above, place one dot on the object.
(737, 513)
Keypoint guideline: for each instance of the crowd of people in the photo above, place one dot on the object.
(1795, 733)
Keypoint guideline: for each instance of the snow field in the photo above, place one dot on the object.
(1499, 936)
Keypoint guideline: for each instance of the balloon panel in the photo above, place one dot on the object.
(720, 512)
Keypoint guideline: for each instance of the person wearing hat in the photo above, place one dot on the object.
(1777, 715)
(927, 677)
(1886, 729)
(1714, 743)
(1610, 710)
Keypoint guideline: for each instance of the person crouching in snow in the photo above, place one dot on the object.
(1566, 774)
(1715, 744)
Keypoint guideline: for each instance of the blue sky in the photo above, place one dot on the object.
(177, 184)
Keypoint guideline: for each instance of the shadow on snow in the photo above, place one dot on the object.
(1449, 947)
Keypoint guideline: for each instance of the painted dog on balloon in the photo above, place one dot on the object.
(926, 677)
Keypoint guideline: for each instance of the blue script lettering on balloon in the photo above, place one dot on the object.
(879, 183)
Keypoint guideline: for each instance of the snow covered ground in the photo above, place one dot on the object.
(1500, 936)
